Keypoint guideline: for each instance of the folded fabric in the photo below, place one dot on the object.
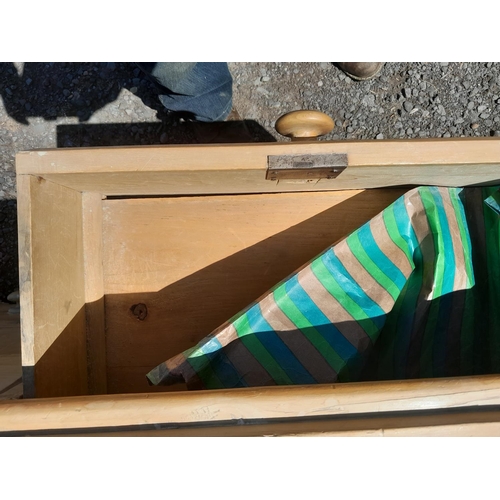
(412, 293)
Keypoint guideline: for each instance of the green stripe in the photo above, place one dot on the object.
(259, 352)
(393, 231)
(353, 309)
(202, 366)
(301, 322)
(377, 274)
(468, 328)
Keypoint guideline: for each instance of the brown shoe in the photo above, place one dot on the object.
(361, 70)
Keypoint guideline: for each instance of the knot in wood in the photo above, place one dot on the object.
(140, 311)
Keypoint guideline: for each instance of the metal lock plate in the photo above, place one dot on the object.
(309, 166)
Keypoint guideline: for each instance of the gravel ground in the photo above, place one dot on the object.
(46, 105)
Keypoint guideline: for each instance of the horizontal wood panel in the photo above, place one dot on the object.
(195, 262)
(225, 408)
(251, 156)
(254, 181)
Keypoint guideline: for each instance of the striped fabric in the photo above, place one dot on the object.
(407, 295)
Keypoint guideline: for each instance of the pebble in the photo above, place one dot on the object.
(133, 90)
(369, 100)
(474, 126)
(481, 108)
(379, 136)
(323, 65)
(265, 78)
(407, 92)
(484, 115)
(28, 81)
(409, 131)
(408, 105)
(446, 134)
(320, 84)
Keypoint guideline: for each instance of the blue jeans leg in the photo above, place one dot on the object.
(201, 89)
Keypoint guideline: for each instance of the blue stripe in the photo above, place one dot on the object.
(379, 258)
(222, 367)
(277, 348)
(404, 225)
(352, 289)
(322, 324)
(449, 254)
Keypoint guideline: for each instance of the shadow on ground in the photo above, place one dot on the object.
(60, 90)
(9, 269)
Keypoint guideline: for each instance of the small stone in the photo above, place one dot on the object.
(447, 134)
(133, 90)
(441, 110)
(66, 92)
(379, 136)
(496, 133)
(470, 105)
(111, 66)
(265, 78)
(27, 106)
(444, 64)
(28, 81)
(484, 115)
(9, 92)
(459, 120)
(320, 84)
(407, 92)
(408, 105)
(409, 131)
(481, 108)
(163, 138)
(323, 65)
(369, 100)
(350, 129)
(474, 126)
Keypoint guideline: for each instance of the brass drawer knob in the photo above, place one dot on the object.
(304, 125)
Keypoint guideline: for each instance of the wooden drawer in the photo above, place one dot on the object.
(129, 256)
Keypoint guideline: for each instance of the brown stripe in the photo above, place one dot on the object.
(388, 247)
(252, 372)
(297, 342)
(333, 310)
(365, 280)
(460, 281)
(417, 215)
